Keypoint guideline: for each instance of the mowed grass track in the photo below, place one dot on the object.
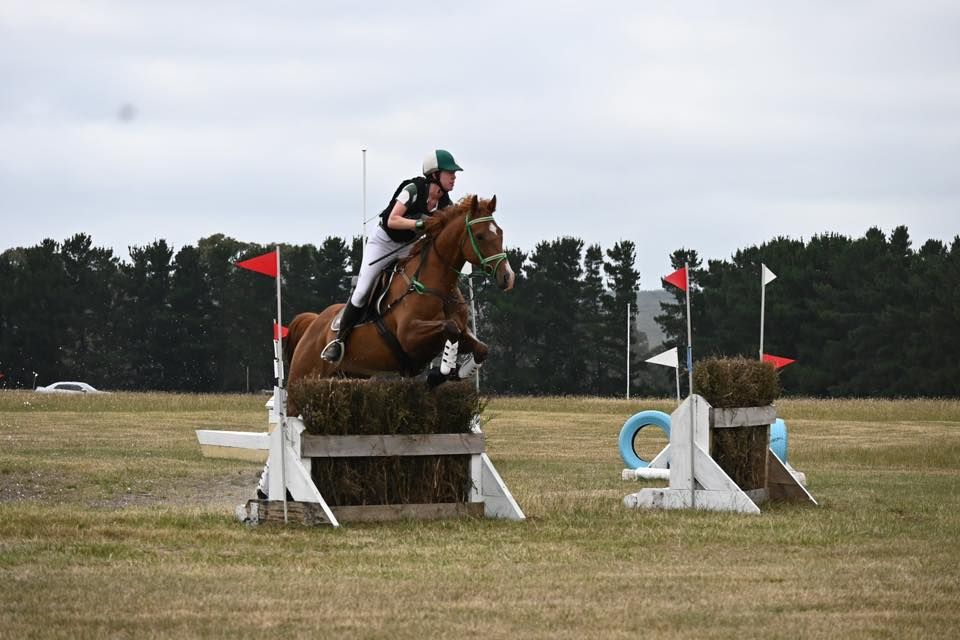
(113, 525)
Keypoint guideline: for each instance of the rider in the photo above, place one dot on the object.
(406, 216)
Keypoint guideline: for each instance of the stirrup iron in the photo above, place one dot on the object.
(327, 353)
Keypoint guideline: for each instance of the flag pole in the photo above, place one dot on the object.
(628, 350)
(364, 240)
(669, 359)
(280, 396)
(686, 274)
(693, 483)
(763, 305)
(676, 372)
(473, 317)
(766, 277)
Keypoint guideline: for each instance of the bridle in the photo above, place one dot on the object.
(485, 262)
(488, 264)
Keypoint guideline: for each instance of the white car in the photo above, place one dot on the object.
(67, 387)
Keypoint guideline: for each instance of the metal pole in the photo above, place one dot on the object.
(676, 371)
(473, 317)
(281, 399)
(686, 271)
(692, 406)
(763, 305)
(364, 196)
(628, 351)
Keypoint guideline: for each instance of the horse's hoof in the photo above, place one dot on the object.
(435, 378)
(333, 352)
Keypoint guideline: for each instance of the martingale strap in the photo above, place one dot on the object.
(406, 365)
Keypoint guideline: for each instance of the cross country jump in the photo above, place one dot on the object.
(405, 328)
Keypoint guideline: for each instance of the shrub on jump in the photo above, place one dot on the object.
(728, 383)
(384, 406)
(736, 382)
(388, 406)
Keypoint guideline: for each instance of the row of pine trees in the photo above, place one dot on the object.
(868, 316)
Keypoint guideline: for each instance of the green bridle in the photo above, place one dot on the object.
(489, 264)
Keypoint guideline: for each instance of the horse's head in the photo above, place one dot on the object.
(483, 242)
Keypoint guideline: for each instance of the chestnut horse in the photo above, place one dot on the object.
(421, 310)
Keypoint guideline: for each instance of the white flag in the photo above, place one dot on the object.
(667, 358)
(768, 276)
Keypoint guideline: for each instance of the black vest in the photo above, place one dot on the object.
(415, 210)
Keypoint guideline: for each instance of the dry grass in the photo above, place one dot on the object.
(111, 524)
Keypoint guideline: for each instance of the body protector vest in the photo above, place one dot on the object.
(416, 208)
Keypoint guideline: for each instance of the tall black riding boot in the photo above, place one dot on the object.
(334, 351)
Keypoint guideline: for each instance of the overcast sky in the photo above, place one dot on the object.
(709, 125)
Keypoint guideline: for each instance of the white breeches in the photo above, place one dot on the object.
(378, 245)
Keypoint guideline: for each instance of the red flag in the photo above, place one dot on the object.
(777, 361)
(285, 331)
(678, 279)
(265, 264)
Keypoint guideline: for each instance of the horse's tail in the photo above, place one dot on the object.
(297, 328)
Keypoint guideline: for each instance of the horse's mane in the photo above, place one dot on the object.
(446, 214)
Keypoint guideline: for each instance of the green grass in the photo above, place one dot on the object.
(113, 525)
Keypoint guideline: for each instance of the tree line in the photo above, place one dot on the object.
(866, 316)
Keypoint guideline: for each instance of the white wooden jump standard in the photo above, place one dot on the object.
(696, 480)
(487, 487)
(659, 467)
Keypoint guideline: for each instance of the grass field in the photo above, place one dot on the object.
(113, 525)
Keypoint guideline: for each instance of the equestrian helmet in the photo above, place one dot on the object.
(439, 160)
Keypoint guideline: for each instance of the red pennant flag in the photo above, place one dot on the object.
(265, 264)
(285, 331)
(678, 279)
(777, 361)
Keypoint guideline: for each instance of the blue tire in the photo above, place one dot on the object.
(632, 426)
(778, 439)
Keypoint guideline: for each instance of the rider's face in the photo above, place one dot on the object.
(447, 180)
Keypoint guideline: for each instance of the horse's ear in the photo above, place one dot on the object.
(493, 203)
(474, 204)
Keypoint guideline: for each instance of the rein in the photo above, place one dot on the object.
(488, 264)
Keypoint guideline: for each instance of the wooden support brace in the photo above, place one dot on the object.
(782, 484)
(489, 488)
(234, 445)
(298, 480)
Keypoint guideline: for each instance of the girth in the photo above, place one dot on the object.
(406, 365)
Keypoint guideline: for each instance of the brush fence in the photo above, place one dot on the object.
(294, 456)
(703, 437)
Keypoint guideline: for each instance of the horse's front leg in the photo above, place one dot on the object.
(423, 339)
(478, 350)
(471, 344)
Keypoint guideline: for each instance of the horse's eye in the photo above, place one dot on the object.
(479, 236)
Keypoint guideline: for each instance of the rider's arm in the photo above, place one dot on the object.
(396, 219)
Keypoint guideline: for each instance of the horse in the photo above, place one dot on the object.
(422, 309)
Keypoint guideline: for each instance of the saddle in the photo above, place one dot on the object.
(376, 301)
(374, 310)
